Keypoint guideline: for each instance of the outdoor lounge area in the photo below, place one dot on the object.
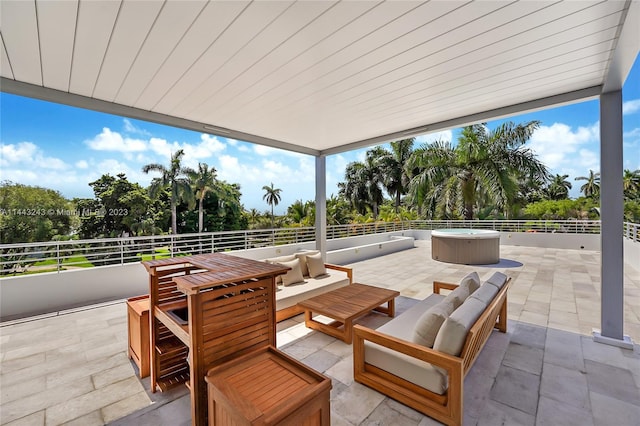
(72, 368)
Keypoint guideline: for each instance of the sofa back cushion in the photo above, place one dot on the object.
(467, 286)
(453, 333)
(485, 293)
(498, 279)
(427, 326)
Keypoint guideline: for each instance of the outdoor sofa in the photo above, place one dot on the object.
(421, 357)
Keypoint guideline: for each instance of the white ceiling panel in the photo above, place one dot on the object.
(5, 66)
(94, 27)
(248, 25)
(56, 27)
(210, 23)
(19, 29)
(317, 76)
(132, 27)
(175, 19)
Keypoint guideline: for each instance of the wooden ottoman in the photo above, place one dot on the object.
(267, 387)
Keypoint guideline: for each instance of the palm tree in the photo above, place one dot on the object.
(558, 188)
(484, 167)
(202, 182)
(272, 197)
(253, 215)
(363, 183)
(394, 163)
(172, 179)
(631, 184)
(591, 189)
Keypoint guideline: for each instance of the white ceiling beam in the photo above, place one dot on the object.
(626, 50)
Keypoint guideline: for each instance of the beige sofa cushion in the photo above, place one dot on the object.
(498, 279)
(280, 259)
(453, 333)
(467, 286)
(294, 275)
(294, 293)
(315, 264)
(302, 255)
(427, 326)
(402, 365)
(485, 293)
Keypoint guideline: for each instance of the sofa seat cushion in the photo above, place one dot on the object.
(453, 333)
(290, 295)
(402, 365)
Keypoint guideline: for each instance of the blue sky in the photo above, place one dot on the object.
(65, 148)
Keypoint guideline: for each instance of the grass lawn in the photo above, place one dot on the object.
(159, 253)
(77, 261)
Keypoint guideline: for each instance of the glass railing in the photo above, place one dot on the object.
(18, 259)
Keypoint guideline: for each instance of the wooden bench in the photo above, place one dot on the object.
(446, 407)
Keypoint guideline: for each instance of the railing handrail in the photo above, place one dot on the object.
(131, 248)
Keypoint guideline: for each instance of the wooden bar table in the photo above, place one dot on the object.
(226, 309)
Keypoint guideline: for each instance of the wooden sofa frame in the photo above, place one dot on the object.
(294, 310)
(446, 408)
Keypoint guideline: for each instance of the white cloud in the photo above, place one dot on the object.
(558, 144)
(29, 155)
(113, 141)
(129, 127)
(631, 107)
(82, 164)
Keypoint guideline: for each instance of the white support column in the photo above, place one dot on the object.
(321, 205)
(612, 217)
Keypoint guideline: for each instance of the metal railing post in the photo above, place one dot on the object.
(58, 260)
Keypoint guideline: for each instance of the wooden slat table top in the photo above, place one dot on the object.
(348, 302)
(224, 268)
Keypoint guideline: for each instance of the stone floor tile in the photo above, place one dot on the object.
(517, 389)
(534, 318)
(92, 419)
(20, 390)
(125, 406)
(553, 413)
(500, 414)
(428, 421)
(385, 414)
(34, 419)
(86, 403)
(15, 364)
(86, 369)
(321, 360)
(477, 385)
(112, 375)
(612, 381)
(356, 402)
(41, 370)
(609, 411)
(523, 357)
(44, 398)
(342, 371)
(565, 385)
(528, 334)
(337, 420)
(339, 348)
(170, 414)
(605, 354)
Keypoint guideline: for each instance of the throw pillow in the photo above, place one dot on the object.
(429, 323)
(302, 255)
(471, 282)
(280, 259)
(316, 265)
(457, 296)
(294, 275)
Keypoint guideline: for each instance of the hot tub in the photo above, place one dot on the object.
(465, 246)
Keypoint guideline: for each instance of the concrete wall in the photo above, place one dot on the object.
(632, 254)
(49, 292)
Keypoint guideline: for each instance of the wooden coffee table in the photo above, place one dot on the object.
(345, 304)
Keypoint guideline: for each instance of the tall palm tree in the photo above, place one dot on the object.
(558, 188)
(483, 167)
(173, 179)
(272, 197)
(631, 184)
(202, 182)
(363, 183)
(396, 178)
(591, 189)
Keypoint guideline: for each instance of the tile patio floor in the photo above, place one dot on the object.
(546, 370)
